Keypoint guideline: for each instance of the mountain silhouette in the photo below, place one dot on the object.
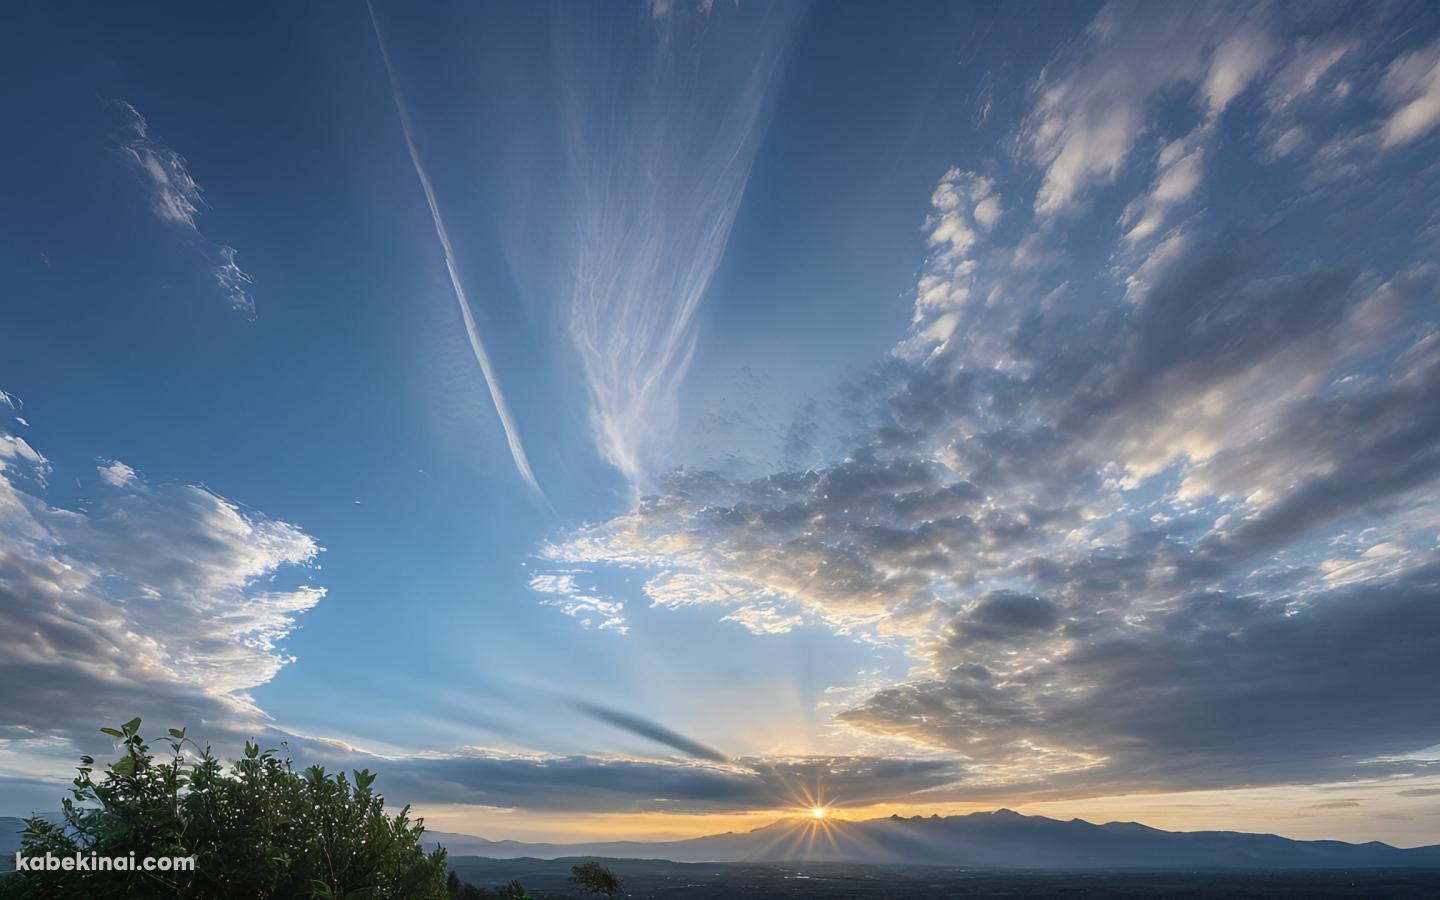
(1001, 839)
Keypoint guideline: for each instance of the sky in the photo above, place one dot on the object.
(647, 420)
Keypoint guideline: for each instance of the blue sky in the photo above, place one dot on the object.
(930, 405)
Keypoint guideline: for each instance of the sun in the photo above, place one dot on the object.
(817, 812)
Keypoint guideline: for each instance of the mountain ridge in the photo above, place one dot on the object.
(998, 839)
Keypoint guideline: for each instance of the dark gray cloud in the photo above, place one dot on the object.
(1004, 613)
(611, 784)
(653, 731)
(1217, 691)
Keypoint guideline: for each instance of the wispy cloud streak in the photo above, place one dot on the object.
(177, 197)
(662, 135)
(653, 731)
(477, 346)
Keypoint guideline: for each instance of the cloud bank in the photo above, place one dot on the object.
(1166, 523)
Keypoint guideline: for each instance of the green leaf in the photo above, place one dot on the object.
(125, 765)
(112, 732)
(176, 733)
(131, 727)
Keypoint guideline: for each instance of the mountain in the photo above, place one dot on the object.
(1001, 839)
(10, 828)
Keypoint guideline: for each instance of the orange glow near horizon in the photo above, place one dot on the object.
(817, 812)
(1286, 810)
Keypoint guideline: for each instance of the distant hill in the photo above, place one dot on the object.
(10, 829)
(1002, 839)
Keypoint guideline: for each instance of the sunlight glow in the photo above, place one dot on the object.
(817, 812)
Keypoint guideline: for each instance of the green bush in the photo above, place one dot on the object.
(257, 830)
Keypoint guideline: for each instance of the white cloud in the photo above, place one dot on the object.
(1305, 71)
(1179, 171)
(1287, 141)
(153, 600)
(177, 197)
(1236, 63)
(965, 208)
(15, 448)
(1410, 93)
(1412, 88)
(591, 609)
(442, 234)
(648, 200)
(116, 473)
(764, 619)
(1092, 105)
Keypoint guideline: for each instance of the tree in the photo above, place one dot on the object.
(513, 891)
(595, 879)
(257, 830)
(463, 890)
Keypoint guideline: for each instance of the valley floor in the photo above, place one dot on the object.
(714, 881)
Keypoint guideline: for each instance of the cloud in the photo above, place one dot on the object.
(177, 197)
(1163, 519)
(116, 474)
(621, 785)
(1125, 533)
(1412, 88)
(1001, 615)
(1092, 105)
(153, 599)
(1178, 173)
(661, 137)
(651, 731)
(161, 601)
(1236, 63)
(472, 331)
(1220, 690)
(18, 457)
(1407, 93)
(592, 610)
(965, 207)
(1311, 63)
